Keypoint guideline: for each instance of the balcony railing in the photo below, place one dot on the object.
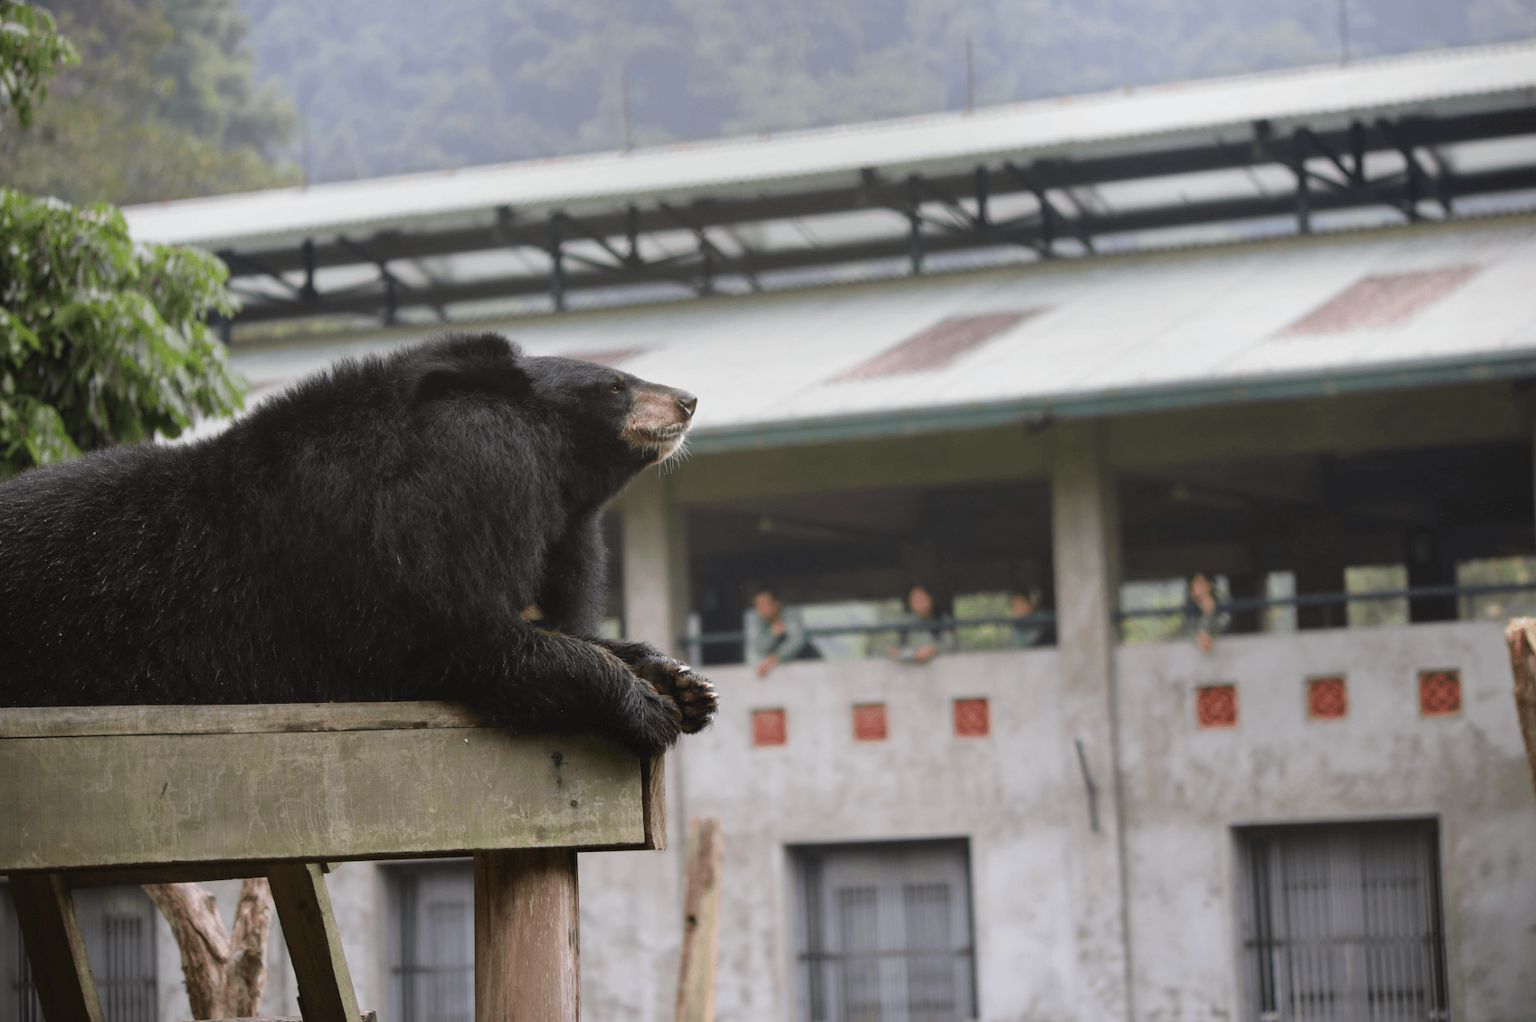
(1047, 619)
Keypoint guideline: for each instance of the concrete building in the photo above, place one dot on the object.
(1328, 815)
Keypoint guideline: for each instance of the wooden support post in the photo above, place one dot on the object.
(701, 923)
(60, 969)
(314, 944)
(527, 936)
(1521, 637)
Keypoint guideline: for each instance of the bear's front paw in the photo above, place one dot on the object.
(691, 693)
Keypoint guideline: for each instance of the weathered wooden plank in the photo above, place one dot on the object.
(654, 779)
(55, 949)
(701, 923)
(80, 721)
(128, 800)
(527, 936)
(314, 944)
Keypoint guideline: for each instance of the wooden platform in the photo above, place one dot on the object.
(125, 795)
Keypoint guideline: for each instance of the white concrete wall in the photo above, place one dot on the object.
(1007, 793)
(1185, 788)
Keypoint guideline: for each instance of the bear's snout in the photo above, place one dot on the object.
(658, 419)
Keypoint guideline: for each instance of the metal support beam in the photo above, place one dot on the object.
(307, 252)
(914, 227)
(557, 263)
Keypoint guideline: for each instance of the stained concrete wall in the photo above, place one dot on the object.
(1185, 788)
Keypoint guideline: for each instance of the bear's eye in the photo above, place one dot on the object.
(617, 388)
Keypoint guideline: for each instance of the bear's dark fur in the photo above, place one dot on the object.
(387, 530)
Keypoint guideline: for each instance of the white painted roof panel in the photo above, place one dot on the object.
(1019, 131)
(1114, 327)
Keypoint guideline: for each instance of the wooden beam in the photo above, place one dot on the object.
(527, 943)
(654, 799)
(123, 800)
(314, 944)
(701, 923)
(60, 968)
(1521, 637)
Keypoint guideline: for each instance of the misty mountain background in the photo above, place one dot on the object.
(197, 97)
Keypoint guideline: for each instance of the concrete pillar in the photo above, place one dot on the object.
(1086, 536)
(632, 902)
(655, 564)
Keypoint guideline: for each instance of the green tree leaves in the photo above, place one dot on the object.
(31, 50)
(101, 341)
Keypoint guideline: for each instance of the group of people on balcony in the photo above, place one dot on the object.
(775, 634)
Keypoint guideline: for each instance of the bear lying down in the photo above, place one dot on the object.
(423, 525)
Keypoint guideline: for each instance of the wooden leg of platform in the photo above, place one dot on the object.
(314, 945)
(60, 969)
(527, 947)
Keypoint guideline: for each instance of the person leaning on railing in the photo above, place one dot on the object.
(774, 633)
(923, 636)
(1203, 620)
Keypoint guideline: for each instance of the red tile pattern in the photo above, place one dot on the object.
(973, 718)
(1381, 301)
(770, 727)
(1439, 693)
(937, 346)
(607, 358)
(1216, 706)
(1328, 698)
(869, 722)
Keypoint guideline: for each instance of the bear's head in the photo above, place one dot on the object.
(616, 422)
(650, 419)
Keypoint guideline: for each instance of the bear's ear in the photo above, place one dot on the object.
(437, 383)
(473, 368)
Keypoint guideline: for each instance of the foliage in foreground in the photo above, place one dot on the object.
(101, 341)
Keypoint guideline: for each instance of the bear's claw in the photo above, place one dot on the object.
(689, 693)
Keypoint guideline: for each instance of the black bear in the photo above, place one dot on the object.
(422, 525)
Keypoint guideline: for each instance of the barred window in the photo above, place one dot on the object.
(1343, 922)
(884, 932)
(118, 924)
(432, 942)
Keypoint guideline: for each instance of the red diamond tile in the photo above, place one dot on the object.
(770, 727)
(1328, 698)
(1216, 706)
(1439, 693)
(869, 723)
(973, 718)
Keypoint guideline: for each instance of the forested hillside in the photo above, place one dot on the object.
(396, 85)
(162, 106)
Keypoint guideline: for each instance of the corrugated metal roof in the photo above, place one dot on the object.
(1114, 335)
(1071, 125)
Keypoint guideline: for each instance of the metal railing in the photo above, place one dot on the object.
(1337, 599)
(1040, 619)
(1047, 618)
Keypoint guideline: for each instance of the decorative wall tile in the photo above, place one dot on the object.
(1439, 693)
(770, 727)
(1216, 706)
(869, 722)
(1328, 698)
(973, 718)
